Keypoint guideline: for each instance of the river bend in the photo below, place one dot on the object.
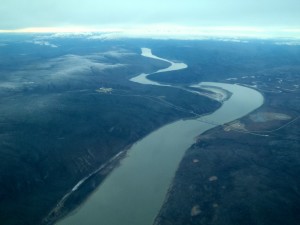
(134, 192)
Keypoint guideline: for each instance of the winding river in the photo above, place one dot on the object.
(134, 192)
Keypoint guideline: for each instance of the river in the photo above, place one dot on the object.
(134, 192)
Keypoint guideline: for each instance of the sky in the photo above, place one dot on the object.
(129, 14)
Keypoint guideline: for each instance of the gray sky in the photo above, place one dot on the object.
(16, 14)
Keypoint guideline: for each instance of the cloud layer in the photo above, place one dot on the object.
(60, 70)
(93, 13)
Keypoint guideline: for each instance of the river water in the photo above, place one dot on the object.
(134, 192)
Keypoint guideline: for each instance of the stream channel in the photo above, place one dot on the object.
(134, 192)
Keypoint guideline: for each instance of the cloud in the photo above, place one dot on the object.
(118, 54)
(9, 85)
(107, 36)
(70, 66)
(171, 31)
(60, 70)
(44, 43)
(291, 43)
(57, 72)
(16, 14)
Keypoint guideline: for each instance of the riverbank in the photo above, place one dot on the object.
(57, 128)
(85, 186)
(145, 175)
(243, 173)
(82, 190)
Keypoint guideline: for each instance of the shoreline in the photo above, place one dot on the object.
(64, 207)
(61, 210)
(223, 95)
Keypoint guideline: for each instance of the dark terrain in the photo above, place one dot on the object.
(56, 127)
(246, 172)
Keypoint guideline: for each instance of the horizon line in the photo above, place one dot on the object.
(170, 30)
